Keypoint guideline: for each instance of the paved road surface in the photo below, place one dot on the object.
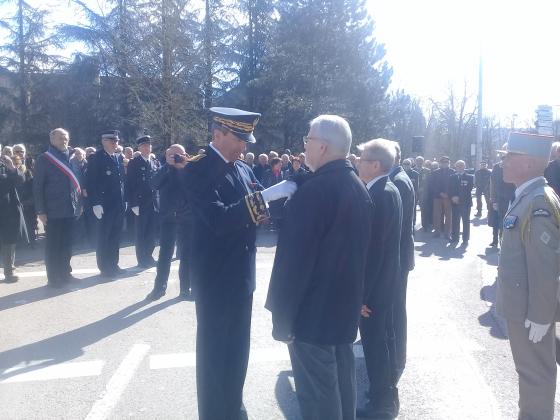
(99, 351)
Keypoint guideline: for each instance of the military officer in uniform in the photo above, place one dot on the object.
(105, 181)
(527, 294)
(227, 206)
(460, 191)
(143, 200)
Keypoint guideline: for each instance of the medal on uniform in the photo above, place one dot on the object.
(108, 172)
(510, 221)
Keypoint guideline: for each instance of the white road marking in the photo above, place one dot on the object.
(188, 359)
(58, 371)
(118, 383)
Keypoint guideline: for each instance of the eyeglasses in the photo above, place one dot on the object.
(307, 138)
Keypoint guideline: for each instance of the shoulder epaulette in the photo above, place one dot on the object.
(196, 158)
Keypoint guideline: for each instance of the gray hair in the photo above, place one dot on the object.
(57, 131)
(397, 147)
(381, 150)
(20, 146)
(250, 155)
(334, 130)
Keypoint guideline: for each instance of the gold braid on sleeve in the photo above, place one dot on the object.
(257, 207)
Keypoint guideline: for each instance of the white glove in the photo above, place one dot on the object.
(135, 210)
(98, 211)
(537, 331)
(284, 189)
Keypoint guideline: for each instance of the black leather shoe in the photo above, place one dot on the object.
(155, 294)
(11, 278)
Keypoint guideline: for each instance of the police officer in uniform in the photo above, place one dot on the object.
(105, 181)
(227, 206)
(527, 294)
(143, 200)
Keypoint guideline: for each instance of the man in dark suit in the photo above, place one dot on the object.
(552, 171)
(460, 191)
(383, 265)
(482, 183)
(227, 205)
(176, 224)
(316, 288)
(501, 194)
(143, 200)
(105, 182)
(58, 200)
(406, 191)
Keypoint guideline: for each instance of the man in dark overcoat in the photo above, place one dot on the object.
(383, 265)
(58, 200)
(12, 222)
(316, 288)
(227, 206)
(143, 200)
(398, 333)
(105, 181)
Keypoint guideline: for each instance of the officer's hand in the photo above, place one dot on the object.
(455, 200)
(43, 219)
(495, 206)
(284, 189)
(98, 211)
(366, 312)
(136, 210)
(536, 331)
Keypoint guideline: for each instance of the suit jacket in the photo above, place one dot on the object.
(406, 191)
(105, 180)
(224, 231)
(500, 192)
(316, 288)
(173, 205)
(552, 175)
(53, 191)
(482, 179)
(383, 265)
(440, 181)
(529, 265)
(139, 191)
(461, 186)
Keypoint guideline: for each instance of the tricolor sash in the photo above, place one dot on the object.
(65, 170)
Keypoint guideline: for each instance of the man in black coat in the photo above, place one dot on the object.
(460, 191)
(383, 267)
(58, 200)
(316, 289)
(12, 222)
(143, 200)
(501, 194)
(176, 224)
(398, 333)
(482, 183)
(552, 171)
(227, 205)
(105, 182)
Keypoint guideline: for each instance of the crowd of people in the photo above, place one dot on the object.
(345, 248)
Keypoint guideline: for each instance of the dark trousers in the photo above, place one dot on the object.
(8, 258)
(145, 241)
(180, 233)
(109, 239)
(373, 331)
(58, 249)
(397, 329)
(325, 378)
(479, 193)
(426, 211)
(222, 354)
(461, 214)
(30, 216)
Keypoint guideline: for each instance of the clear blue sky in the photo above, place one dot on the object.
(434, 43)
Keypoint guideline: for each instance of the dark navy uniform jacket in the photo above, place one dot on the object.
(406, 190)
(461, 186)
(139, 190)
(105, 180)
(224, 232)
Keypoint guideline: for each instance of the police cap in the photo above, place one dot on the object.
(239, 122)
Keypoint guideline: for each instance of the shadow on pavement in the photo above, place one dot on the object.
(69, 345)
(491, 256)
(44, 292)
(286, 396)
(439, 247)
(490, 319)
